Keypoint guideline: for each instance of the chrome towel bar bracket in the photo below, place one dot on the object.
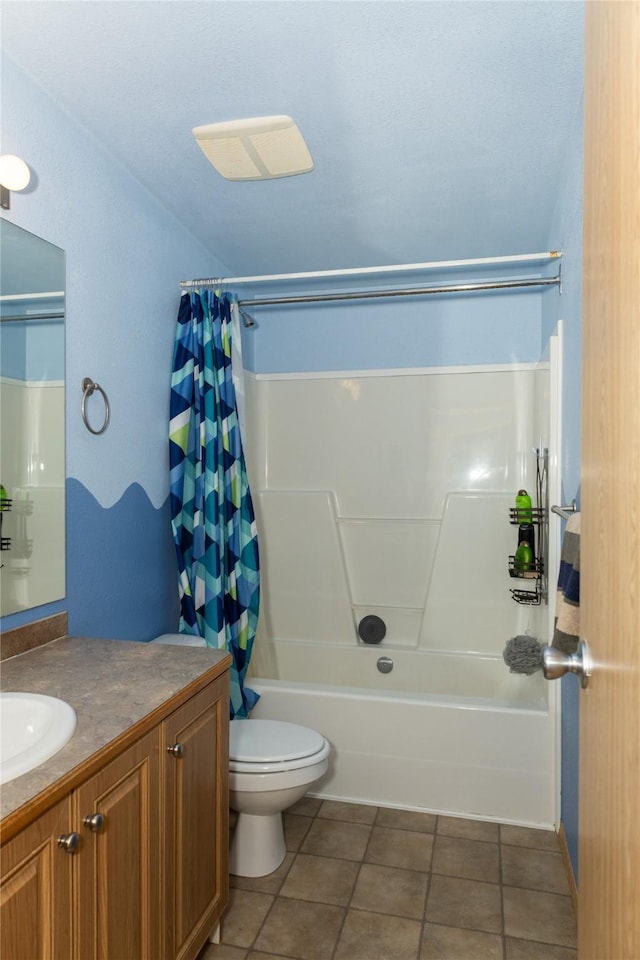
(88, 388)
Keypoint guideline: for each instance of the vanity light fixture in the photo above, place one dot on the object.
(260, 148)
(14, 175)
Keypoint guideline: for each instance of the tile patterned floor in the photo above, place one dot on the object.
(369, 883)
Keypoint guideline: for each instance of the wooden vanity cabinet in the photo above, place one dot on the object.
(36, 893)
(118, 888)
(196, 820)
(146, 873)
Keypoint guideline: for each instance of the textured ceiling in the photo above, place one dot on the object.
(438, 129)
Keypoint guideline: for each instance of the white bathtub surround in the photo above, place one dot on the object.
(33, 474)
(459, 756)
(388, 493)
(439, 674)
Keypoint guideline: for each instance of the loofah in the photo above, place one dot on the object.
(523, 654)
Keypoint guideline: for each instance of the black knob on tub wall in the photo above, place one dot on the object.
(372, 629)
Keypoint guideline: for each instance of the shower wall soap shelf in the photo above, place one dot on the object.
(534, 579)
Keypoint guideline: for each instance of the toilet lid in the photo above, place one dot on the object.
(270, 741)
(180, 640)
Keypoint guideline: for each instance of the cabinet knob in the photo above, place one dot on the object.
(176, 750)
(95, 822)
(69, 842)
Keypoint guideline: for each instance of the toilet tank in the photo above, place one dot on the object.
(180, 640)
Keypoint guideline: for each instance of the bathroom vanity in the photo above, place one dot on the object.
(117, 847)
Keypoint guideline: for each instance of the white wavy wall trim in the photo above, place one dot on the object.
(33, 474)
(389, 495)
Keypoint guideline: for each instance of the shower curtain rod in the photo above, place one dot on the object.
(32, 316)
(377, 271)
(401, 292)
(14, 297)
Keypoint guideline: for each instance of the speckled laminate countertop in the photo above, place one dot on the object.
(111, 684)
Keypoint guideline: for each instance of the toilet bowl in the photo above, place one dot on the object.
(272, 764)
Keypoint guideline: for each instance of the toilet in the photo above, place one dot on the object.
(272, 764)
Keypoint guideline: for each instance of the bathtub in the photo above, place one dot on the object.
(475, 741)
(362, 511)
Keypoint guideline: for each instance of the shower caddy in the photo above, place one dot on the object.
(536, 577)
(6, 504)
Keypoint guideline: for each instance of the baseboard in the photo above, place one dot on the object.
(568, 866)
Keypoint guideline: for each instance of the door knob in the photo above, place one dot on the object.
(555, 663)
(95, 822)
(176, 750)
(69, 842)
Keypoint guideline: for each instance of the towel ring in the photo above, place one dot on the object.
(88, 387)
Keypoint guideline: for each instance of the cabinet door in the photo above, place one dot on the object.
(196, 819)
(36, 890)
(118, 870)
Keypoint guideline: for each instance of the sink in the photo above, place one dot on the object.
(33, 727)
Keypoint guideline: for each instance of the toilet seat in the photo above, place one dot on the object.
(271, 746)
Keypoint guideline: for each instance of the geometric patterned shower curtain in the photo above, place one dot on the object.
(212, 517)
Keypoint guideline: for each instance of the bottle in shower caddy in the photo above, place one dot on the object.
(523, 562)
(524, 513)
(526, 534)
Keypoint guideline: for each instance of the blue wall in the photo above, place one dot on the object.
(125, 256)
(429, 331)
(134, 545)
(32, 350)
(45, 349)
(13, 356)
(567, 233)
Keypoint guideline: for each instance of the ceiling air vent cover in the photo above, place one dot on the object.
(261, 148)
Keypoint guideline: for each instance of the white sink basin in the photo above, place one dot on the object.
(33, 727)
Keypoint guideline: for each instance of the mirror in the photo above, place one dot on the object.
(32, 460)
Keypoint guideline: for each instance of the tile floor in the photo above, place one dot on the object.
(370, 883)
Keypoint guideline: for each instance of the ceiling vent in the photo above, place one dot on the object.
(261, 148)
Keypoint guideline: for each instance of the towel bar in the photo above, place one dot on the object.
(565, 512)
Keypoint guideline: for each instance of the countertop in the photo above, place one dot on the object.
(111, 684)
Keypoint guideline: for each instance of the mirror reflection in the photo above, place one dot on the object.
(32, 462)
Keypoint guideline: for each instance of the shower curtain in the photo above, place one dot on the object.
(212, 515)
